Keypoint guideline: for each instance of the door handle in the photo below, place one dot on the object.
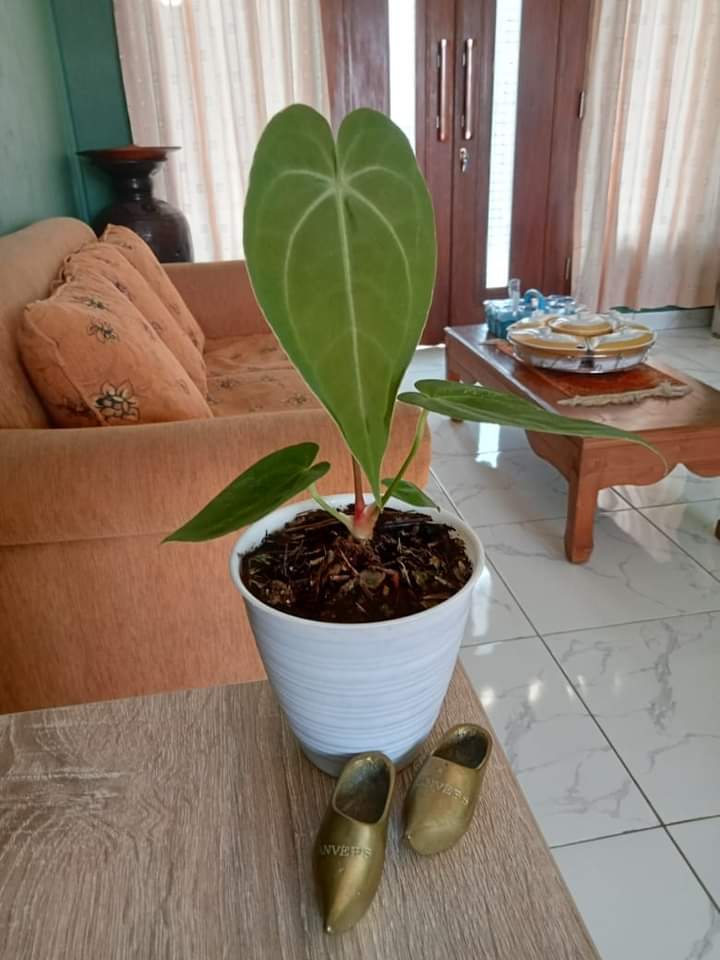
(441, 123)
(466, 121)
(464, 159)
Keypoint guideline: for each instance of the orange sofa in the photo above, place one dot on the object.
(91, 605)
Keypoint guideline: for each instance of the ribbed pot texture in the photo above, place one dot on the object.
(351, 688)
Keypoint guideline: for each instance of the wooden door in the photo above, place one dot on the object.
(499, 103)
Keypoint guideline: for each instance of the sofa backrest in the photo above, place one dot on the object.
(29, 262)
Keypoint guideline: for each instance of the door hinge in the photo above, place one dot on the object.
(581, 105)
(568, 267)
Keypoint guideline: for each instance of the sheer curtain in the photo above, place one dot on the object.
(207, 75)
(647, 210)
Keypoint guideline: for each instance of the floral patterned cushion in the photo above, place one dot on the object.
(255, 351)
(139, 254)
(95, 361)
(249, 391)
(105, 260)
(251, 375)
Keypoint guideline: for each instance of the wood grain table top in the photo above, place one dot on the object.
(181, 826)
(698, 410)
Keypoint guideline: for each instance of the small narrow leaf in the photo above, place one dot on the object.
(259, 490)
(409, 493)
(466, 402)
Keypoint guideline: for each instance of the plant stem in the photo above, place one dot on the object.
(419, 430)
(328, 508)
(358, 487)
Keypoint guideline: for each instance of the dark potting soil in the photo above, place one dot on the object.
(315, 569)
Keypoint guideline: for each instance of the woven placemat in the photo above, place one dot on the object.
(599, 389)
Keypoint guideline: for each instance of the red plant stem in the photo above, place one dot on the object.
(357, 482)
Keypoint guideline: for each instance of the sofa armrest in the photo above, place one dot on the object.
(105, 482)
(219, 296)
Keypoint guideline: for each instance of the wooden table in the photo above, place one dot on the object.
(180, 826)
(685, 430)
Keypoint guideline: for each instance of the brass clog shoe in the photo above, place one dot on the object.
(350, 846)
(442, 799)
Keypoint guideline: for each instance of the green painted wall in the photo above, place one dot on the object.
(88, 48)
(36, 138)
(60, 91)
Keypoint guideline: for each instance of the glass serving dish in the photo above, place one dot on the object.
(581, 343)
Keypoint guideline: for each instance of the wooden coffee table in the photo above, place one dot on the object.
(684, 429)
(182, 826)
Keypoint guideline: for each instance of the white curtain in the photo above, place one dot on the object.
(207, 75)
(647, 208)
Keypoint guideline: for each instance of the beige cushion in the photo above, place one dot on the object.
(105, 260)
(95, 361)
(252, 374)
(254, 351)
(139, 254)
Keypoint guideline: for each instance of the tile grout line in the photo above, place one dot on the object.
(632, 830)
(672, 503)
(603, 836)
(489, 643)
(691, 868)
(515, 523)
(632, 623)
(679, 545)
(679, 823)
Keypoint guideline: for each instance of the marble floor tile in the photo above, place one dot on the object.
(690, 336)
(692, 526)
(427, 364)
(574, 783)
(634, 573)
(508, 486)
(436, 493)
(699, 840)
(679, 486)
(653, 688)
(470, 439)
(639, 899)
(686, 352)
(495, 615)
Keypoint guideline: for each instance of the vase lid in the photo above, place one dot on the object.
(581, 324)
(131, 151)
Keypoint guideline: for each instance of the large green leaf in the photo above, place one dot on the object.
(340, 248)
(465, 402)
(260, 489)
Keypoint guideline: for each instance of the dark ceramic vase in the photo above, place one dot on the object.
(161, 225)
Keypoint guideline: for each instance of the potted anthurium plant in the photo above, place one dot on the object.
(358, 604)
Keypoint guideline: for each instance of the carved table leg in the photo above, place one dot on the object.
(582, 503)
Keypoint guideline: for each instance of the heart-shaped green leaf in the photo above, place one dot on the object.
(409, 493)
(340, 248)
(466, 402)
(260, 489)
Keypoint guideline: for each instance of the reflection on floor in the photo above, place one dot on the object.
(602, 681)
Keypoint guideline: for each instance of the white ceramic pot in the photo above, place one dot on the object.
(349, 688)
